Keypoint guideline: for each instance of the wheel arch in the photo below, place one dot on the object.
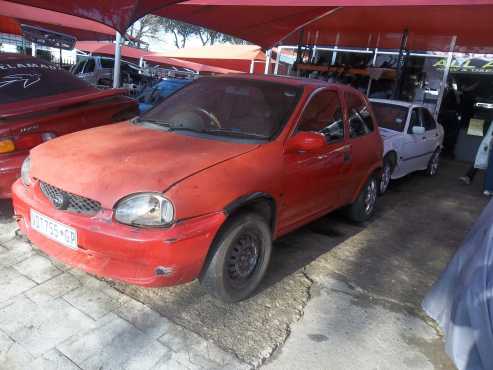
(392, 154)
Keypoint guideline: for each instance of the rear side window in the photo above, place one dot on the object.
(428, 120)
(324, 114)
(29, 78)
(90, 66)
(360, 119)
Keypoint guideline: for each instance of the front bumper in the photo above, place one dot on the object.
(10, 170)
(146, 257)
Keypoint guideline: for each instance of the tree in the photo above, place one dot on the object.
(181, 31)
(146, 27)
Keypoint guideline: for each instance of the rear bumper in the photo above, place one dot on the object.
(10, 170)
(146, 257)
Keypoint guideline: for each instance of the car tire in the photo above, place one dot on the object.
(433, 164)
(385, 177)
(364, 207)
(238, 259)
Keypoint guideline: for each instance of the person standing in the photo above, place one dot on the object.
(482, 156)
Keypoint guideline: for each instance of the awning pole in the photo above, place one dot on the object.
(401, 65)
(334, 54)
(118, 56)
(252, 66)
(33, 49)
(446, 72)
(279, 52)
(370, 81)
(267, 61)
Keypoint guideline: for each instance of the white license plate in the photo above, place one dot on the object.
(54, 230)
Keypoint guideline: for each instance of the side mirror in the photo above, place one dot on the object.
(306, 141)
(418, 130)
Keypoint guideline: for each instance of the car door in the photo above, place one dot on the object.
(362, 144)
(432, 134)
(414, 151)
(313, 180)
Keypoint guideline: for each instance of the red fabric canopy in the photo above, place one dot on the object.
(15, 14)
(364, 23)
(106, 48)
(118, 14)
(231, 57)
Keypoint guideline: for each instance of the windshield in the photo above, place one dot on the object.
(29, 78)
(228, 106)
(390, 116)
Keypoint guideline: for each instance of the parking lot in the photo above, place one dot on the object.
(337, 296)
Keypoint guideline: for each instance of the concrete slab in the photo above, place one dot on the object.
(37, 268)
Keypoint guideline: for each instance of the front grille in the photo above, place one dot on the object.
(74, 203)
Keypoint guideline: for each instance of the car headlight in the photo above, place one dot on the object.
(25, 169)
(146, 209)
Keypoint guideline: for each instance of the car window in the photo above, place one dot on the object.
(428, 120)
(106, 63)
(324, 114)
(360, 119)
(415, 120)
(90, 66)
(390, 116)
(79, 67)
(229, 106)
(28, 78)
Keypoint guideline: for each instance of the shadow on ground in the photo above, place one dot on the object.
(395, 259)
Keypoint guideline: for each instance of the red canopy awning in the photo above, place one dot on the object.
(13, 15)
(364, 23)
(106, 48)
(118, 14)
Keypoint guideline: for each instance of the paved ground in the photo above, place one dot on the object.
(337, 296)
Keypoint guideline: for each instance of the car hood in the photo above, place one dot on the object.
(109, 162)
(387, 134)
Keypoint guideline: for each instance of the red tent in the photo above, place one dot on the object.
(233, 57)
(13, 15)
(106, 48)
(364, 23)
(118, 14)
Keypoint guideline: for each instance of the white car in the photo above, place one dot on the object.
(412, 139)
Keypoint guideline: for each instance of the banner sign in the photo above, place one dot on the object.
(466, 65)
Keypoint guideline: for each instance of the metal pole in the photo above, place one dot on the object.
(334, 54)
(60, 61)
(267, 61)
(446, 72)
(279, 52)
(401, 63)
(370, 81)
(252, 66)
(118, 56)
(33, 49)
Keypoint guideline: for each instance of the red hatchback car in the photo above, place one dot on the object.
(38, 102)
(199, 186)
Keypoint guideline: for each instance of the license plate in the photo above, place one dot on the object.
(54, 230)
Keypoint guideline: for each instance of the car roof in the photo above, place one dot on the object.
(398, 102)
(309, 83)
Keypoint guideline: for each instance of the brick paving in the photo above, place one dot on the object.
(54, 317)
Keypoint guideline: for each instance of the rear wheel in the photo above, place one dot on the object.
(364, 207)
(239, 258)
(434, 163)
(388, 168)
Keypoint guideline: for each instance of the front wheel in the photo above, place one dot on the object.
(238, 259)
(434, 163)
(364, 207)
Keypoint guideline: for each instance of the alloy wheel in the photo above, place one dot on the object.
(371, 196)
(385, 179)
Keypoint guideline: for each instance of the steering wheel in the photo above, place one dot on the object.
(211, 116)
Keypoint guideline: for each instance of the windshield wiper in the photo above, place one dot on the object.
(152, 121)
(224, 132)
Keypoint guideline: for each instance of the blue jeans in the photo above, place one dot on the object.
(488, 180)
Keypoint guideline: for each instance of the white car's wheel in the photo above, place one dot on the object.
(386, 176)
(434, 163)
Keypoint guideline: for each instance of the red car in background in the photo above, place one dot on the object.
(39, 101)
(200, 185)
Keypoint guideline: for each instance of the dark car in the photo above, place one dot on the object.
(39, 101)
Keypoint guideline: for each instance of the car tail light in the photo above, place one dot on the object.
(6, 146)
(24, 142)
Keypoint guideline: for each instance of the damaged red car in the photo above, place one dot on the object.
(39, 101)
(201, 185)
